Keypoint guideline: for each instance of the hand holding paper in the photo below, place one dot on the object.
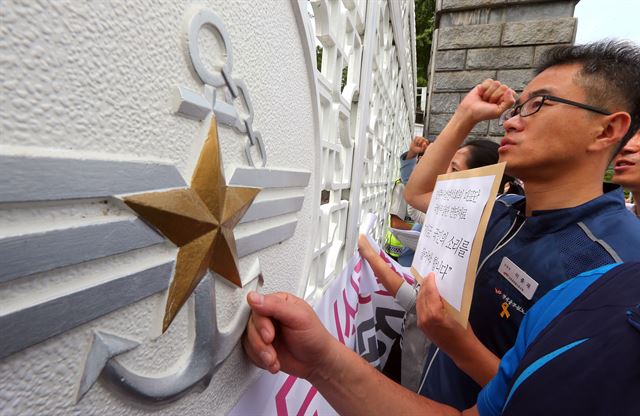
(460, 344)
(436, 321)
(433, 318)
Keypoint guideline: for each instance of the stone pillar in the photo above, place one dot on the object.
(500, 39)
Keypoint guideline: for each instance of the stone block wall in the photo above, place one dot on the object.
(500, 39)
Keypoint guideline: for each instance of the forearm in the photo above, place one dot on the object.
(472, 357)
(353, 387)
(436, 159)
(396, 222)
(423, 200)
(389, 279)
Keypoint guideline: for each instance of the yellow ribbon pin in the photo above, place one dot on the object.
(505, 313)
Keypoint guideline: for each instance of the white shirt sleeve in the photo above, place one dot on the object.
(416, 214)
(398, 204)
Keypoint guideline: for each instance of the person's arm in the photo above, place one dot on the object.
(353, 387)
(396, 222)
(460, 344)
(302, 347)
(435, 162)
(389, 279)
(486, 101)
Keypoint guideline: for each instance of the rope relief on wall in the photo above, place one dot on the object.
(197, 106)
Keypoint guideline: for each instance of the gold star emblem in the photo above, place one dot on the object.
(200, 221)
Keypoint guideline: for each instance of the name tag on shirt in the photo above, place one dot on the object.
(518, 278)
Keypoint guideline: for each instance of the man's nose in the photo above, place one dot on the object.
(633, 145)
(514, 123)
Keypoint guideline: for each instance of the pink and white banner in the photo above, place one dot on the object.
(359, 312)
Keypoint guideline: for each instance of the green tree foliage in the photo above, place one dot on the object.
(319, 58)
(608, 175)
(345, 70)
(425, 22)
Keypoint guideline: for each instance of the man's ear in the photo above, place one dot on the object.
(611, 131)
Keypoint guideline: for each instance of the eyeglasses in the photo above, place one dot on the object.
(534, 104)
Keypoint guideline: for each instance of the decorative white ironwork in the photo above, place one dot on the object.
(366, 94)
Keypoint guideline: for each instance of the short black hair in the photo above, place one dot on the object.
(482, 152)
(610, 75)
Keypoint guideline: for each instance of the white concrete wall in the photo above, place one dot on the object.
(95, 80)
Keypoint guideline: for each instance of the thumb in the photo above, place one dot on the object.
(284, 307)
(432, 296)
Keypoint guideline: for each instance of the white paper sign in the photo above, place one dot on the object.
(449, 229)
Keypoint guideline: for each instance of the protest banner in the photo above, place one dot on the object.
(361, 314)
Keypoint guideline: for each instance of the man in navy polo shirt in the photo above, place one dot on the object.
(576, 351)
(569, 122)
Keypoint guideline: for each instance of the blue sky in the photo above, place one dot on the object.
(598, 19)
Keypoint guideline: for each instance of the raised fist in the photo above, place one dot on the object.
(418, 145)
(487, 101)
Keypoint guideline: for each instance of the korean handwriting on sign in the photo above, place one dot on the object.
(449, 194)
(451, 211)
(426, 255)
(459, 245)
(439, 236)
(471, 195)
(456, 218)
(467, 195)
(428, 230)
(442, 237)
(440, 267)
